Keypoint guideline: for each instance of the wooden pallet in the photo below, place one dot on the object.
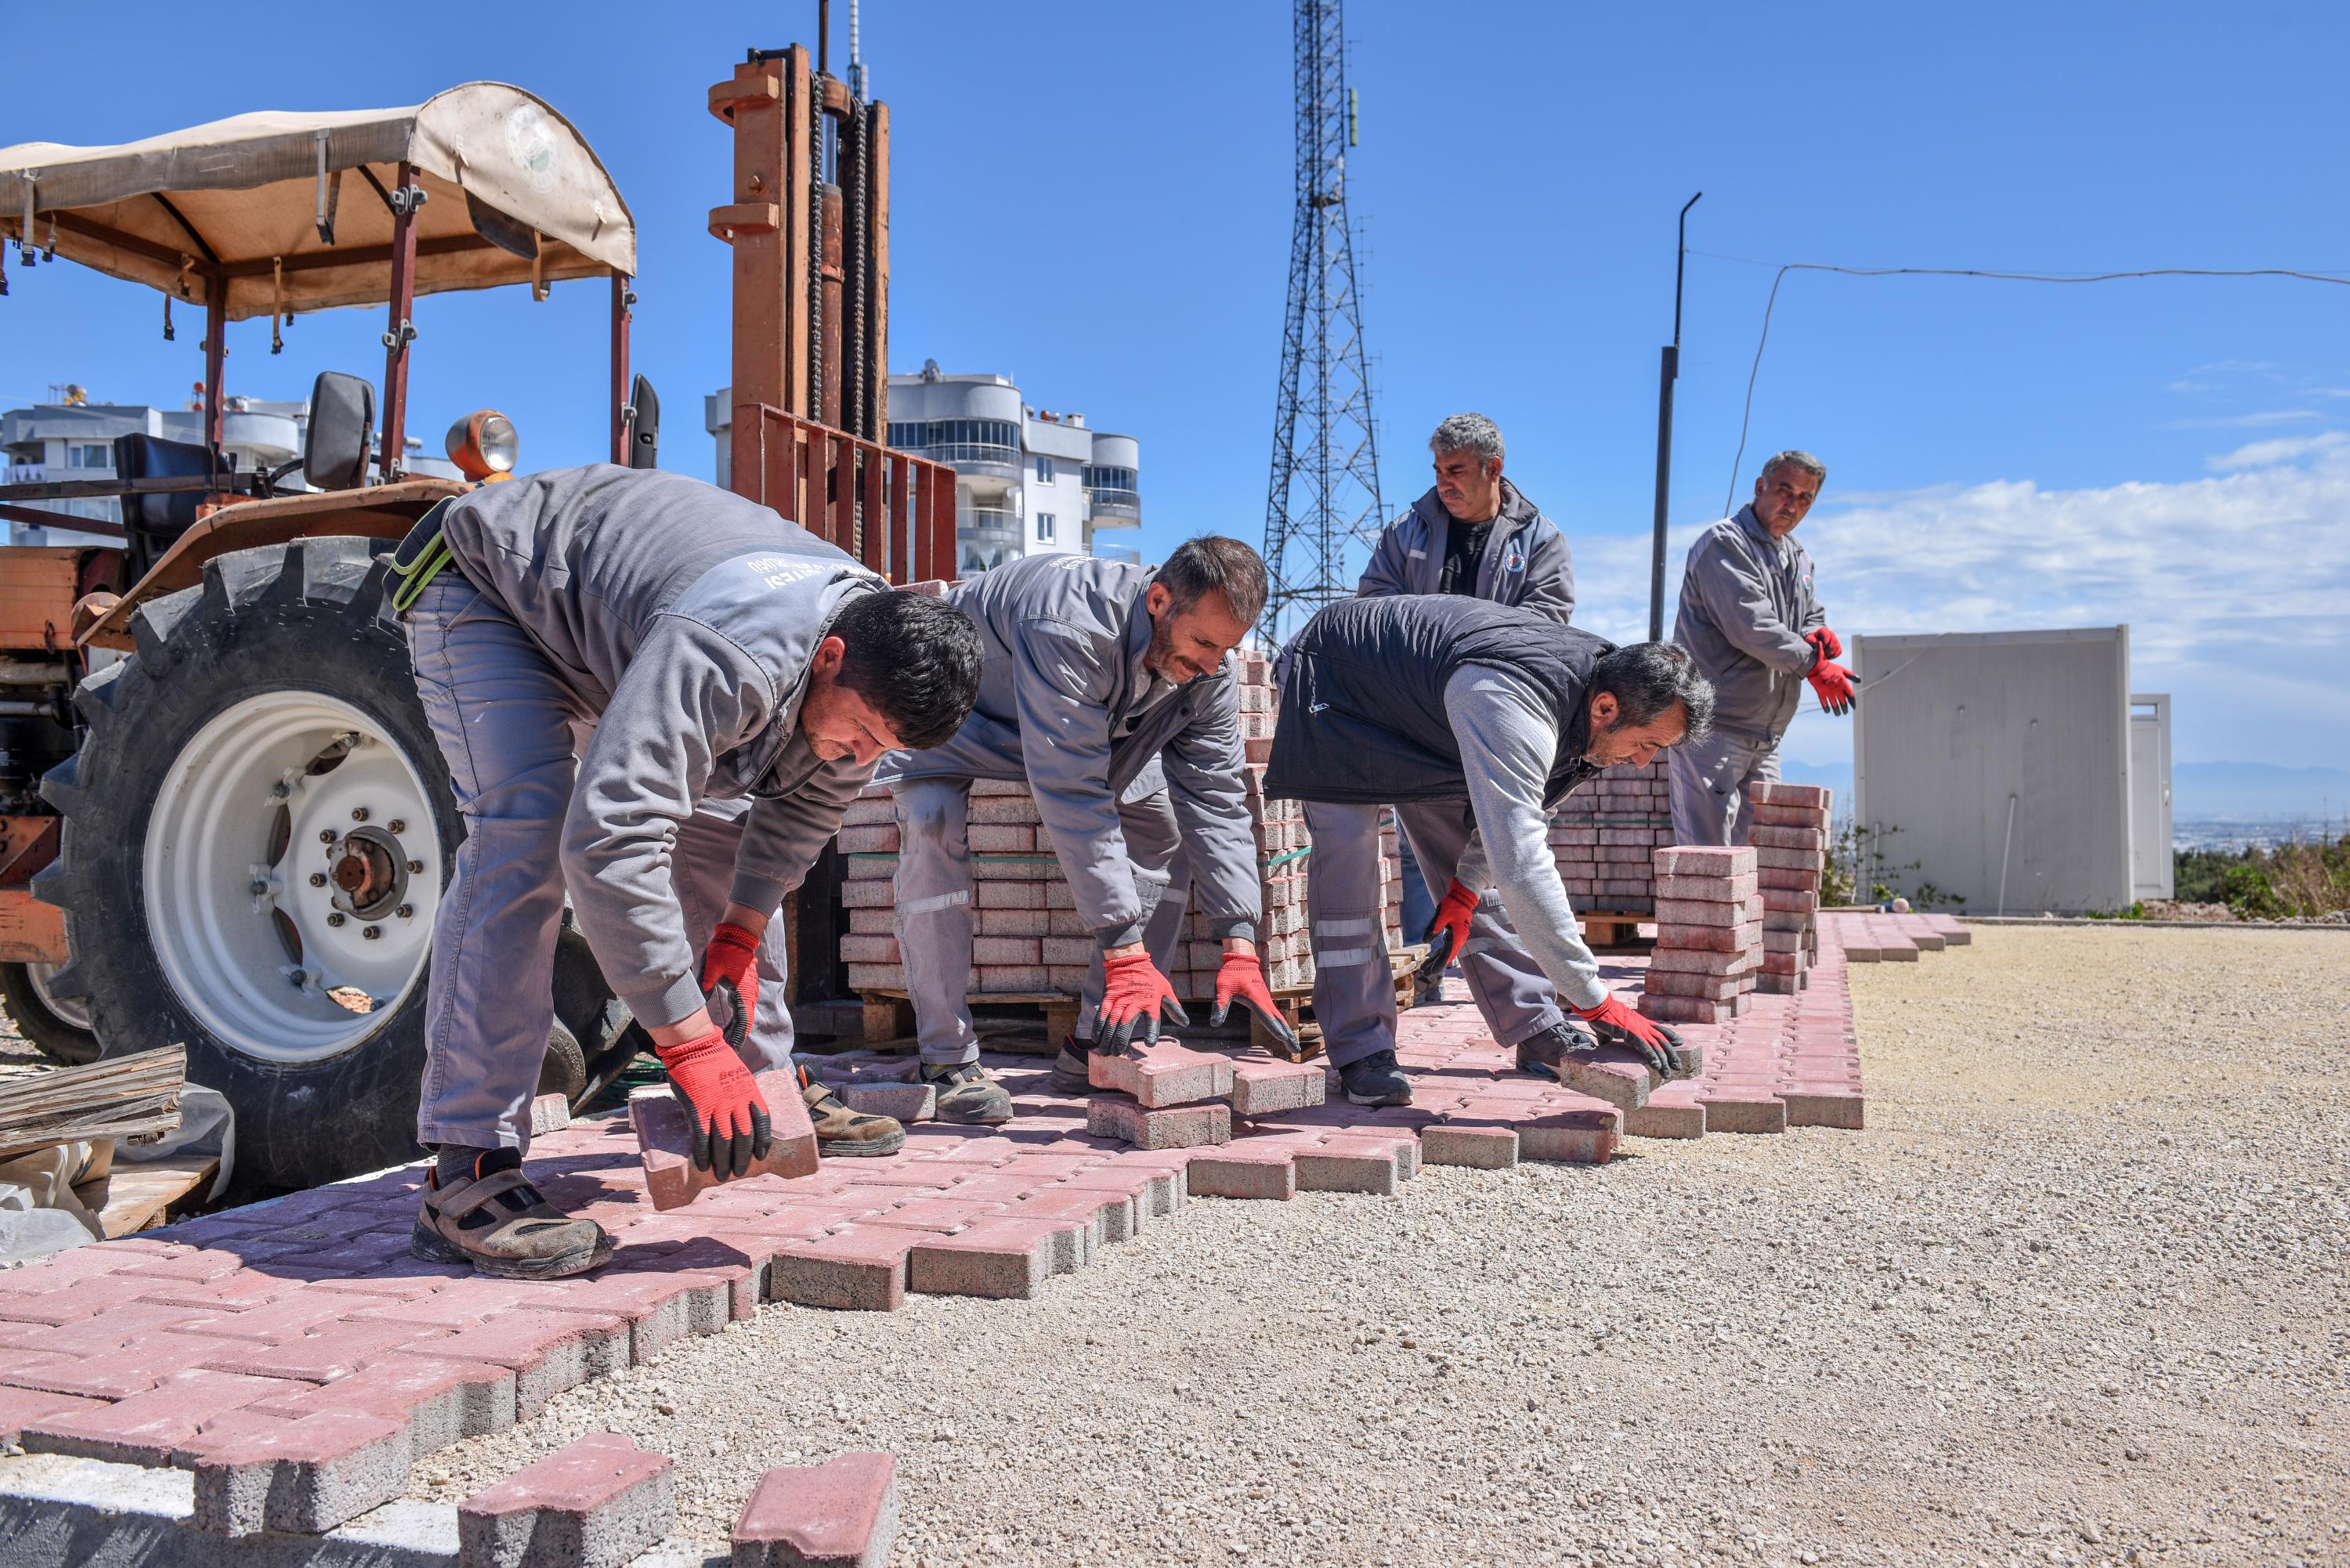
(890, 1015)
(143, 1195)
(1614, 930)
(1296, 1005)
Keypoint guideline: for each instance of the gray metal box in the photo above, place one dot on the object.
(2000, 762)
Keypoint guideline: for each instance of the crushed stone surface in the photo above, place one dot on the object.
(2076, 1296)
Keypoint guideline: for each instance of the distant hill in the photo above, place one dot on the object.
(2224, 791)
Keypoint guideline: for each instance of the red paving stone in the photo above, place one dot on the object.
(842, 1513)
(595, 1504)
(235, 1340)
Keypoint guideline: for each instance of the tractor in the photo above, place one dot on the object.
(224, 824)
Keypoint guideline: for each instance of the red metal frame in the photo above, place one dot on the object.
(620, 317)
(815, 477)
(392, 462)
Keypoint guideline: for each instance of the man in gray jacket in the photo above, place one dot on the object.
(1108, 690)
(659, 697)
(1434, 699)
(1474, 534)
(1752, 620)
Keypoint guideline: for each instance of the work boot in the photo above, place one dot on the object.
(494, 1220)
(1539, 1053)
(1072, 1069)
(1565, 1052)
(1376, 1080)
(844, 1134)
(966, 1095)
(1426, 989)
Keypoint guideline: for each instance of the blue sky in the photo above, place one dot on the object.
(1096, 199)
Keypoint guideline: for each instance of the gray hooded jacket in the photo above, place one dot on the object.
(685, 617)
(1746, 607)
(1066, 704)
(1527, 562)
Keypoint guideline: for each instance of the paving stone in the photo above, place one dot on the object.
(547, 1351)
(23, 1407)
(1486, 1147)
(595, 1504)
(145, 1429)
(305, 1476)
(1570, 1137)
(438, 1400)
(1006, 1258)
(1109, 1114)
(1824, 1107)
(1351, 1165)
(900, 1102)
(862, 1268)
(132, 1367)
(664, 1138)
(1710, 938)
(1108, 1217)
(549, 1113)
(1245, 1169)
(337, 1350)
(1162, 1075)
(1704, 860)
(842, 1513)
(1663, 1118)
(1737, 1110)
(1614, 1073)
(1708, 890)
(1264, 1086)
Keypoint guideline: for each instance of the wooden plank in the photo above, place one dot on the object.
(141, 1195)
(127, 1096)
(37, 592)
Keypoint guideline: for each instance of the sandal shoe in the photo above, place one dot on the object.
(845, 1134)
(497, 1221)
(968, 1095)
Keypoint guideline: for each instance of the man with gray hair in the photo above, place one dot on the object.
(1474, 532)
(1750, 620)
(1108, 689)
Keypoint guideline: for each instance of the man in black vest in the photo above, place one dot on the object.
(1414, 699)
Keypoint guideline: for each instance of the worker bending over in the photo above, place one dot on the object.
(658, 697)
(1475, 535)
(1430, 701)
(1108, 690)
(1750, 618)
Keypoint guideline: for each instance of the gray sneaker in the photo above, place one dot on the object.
(968, 1095)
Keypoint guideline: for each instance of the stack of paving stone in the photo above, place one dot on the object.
(1791, 840)
(1167, 1096)
(1603, 834)
(1030, 939)
(1708, 935)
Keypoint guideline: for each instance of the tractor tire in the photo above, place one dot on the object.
(258, 828)
(57, 1030)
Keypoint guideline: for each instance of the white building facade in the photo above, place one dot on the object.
(1028, 481)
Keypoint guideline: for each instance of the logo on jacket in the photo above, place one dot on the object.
(1516, 561)
(780, 572)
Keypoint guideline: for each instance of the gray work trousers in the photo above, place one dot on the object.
(1709, 782)
(511, 727)
(1512, 995)
(936, 921)
(1353, 987)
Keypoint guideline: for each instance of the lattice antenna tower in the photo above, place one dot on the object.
(1324, 489)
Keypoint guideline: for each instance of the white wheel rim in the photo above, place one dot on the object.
(73, 1014)
(214, 896)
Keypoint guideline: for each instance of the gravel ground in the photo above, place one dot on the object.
(2076, 1296)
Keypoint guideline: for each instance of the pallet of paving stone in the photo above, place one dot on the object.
(1790, 832)
(889, 1015)
(1603, 834)
(1615, 930)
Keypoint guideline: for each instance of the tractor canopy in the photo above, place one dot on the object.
(295, 211)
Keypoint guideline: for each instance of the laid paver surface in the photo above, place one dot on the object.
(220, 1334)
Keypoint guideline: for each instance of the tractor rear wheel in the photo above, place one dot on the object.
(57, 1029)
(258, 828)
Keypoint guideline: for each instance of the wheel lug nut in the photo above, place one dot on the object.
(325, 835)
(318, 878)
(280, 791)
(371, 932)
(300, 978)
(406, 911)
(358, 814)
(259, 888)
(336, 918)
(397, 826)
(414, 867)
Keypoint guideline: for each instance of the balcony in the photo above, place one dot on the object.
(1120, 552)
(1114, 508)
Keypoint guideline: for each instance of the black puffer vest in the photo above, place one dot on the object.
(1362, 714)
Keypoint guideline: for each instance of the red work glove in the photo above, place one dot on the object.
(730, 981)
(1660, 1047)
(1834, 684)
(1240, 978)
(1825, 641)
(1134, 994)
(1449, 932)
(722, 1102)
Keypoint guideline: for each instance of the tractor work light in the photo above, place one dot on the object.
(484, 446)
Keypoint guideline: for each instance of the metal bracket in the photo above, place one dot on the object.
(405, 200)
(401, 336)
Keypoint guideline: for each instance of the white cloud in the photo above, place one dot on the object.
(2284, 448)
(2236, 588)
(2247, 421)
